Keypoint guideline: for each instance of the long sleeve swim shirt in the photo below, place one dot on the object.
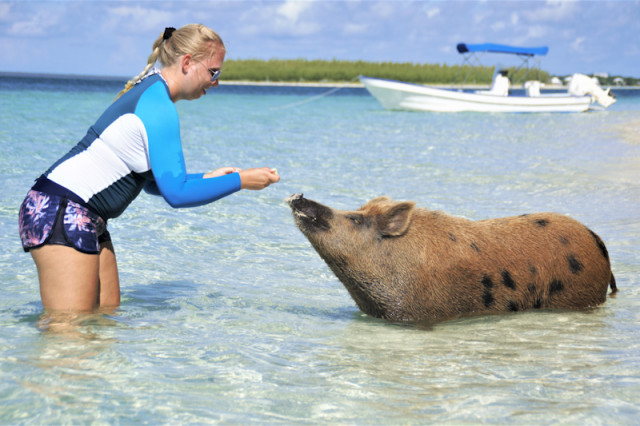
(136, 143)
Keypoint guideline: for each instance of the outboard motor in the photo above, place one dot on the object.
(583, 85)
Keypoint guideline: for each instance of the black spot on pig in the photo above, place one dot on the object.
(475, 247)
(574, 264)
(488, 299)
(487, 296)
(507, 281)
(534, 298)
(542, 222)
(512, 306)
(555, 286)
(487, 282)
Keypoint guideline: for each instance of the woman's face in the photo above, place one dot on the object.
(201, 74)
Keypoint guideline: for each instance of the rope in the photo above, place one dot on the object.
(312, 98)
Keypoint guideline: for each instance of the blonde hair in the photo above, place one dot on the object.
(195, 39)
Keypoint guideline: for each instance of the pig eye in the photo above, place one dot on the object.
(355, 220)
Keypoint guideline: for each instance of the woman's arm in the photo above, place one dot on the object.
(178, 188)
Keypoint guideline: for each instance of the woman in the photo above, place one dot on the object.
(134, 145)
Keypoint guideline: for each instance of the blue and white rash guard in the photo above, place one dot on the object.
(135, 144)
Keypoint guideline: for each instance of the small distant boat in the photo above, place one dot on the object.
(580, 96)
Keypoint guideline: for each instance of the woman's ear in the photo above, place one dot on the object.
(186, 62)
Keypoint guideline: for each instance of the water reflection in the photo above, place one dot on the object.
(516, 362)
(73, 337)
(60, 359)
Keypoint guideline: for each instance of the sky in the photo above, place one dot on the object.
(114, 38)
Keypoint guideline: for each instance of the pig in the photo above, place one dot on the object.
(404, 263)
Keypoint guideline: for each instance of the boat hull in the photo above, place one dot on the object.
(406, 96)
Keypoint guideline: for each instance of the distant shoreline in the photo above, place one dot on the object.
(62, 76)
(328, 84)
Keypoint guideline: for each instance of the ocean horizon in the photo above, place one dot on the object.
(223, 82)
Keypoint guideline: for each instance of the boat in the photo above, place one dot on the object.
(580, 96)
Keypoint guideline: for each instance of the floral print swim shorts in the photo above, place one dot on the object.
(51, 219)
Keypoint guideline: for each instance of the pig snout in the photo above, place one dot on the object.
(309, 215)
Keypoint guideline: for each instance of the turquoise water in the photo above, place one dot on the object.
(228, 315)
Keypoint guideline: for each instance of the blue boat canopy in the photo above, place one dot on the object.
(502, 48)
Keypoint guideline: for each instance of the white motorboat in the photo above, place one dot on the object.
(580, 96)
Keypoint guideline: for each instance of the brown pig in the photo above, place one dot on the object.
(405, 263)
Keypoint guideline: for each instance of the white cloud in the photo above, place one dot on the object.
(292, 9)
(352, 29)
(137, 19)
(537, 31)
(290, 18)
(385, 9)
(5, 8)
(577, 44)
(514, 19)
(553, 10)
(497, 26)
(293, 18)
(38, 24)
(431, 13)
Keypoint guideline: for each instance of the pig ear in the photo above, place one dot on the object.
(383, 199)
(396, 220)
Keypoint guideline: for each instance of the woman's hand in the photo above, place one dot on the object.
(222, 171)
(258, 178)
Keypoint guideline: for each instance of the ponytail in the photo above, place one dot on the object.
(195, 39)
(150, 61)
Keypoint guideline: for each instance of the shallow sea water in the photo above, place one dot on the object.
(229, 316)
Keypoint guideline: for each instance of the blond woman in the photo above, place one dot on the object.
(134, 145)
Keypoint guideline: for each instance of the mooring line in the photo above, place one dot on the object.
(313, 98)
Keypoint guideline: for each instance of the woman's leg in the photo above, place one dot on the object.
(68, 278)
(109, 284)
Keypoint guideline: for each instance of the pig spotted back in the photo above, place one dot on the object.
(405, 263)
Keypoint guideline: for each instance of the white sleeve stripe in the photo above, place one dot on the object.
(120, 149)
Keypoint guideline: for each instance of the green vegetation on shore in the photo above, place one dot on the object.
(301, 70)
(336, 71)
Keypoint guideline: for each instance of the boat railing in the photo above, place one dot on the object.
(470, 63)
(472, 55)
(524, 65)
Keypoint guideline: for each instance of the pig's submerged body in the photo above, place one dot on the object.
(412, 264)
(533, 261)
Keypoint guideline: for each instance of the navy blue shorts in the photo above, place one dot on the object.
(53, 219)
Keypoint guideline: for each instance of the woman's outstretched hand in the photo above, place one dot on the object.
(258, 178)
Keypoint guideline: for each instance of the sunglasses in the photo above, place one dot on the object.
(215, 74)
